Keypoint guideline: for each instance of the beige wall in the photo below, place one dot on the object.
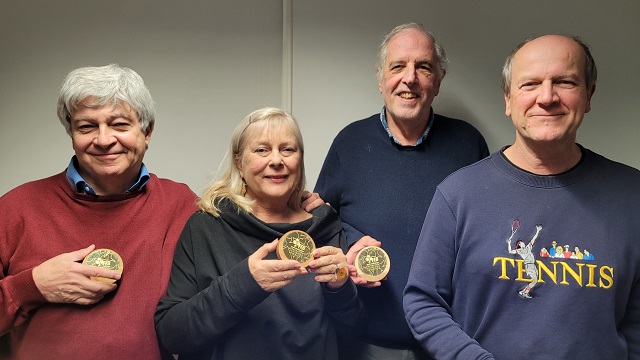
(208, 64)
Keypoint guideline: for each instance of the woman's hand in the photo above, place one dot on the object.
(272, 275)
(330, 266)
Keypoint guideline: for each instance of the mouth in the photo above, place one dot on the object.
(547, 116)
(277, 178)
(408, 95)
(106, 158)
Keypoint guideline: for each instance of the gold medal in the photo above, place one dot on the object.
(296, 245)
(372, 263)
(104, 258)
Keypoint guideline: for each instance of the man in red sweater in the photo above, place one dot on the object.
(105, 198)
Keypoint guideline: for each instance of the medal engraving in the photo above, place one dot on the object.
(104, 258)
(296, 245)
(372, 263)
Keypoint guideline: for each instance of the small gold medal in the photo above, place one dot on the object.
(104, 258)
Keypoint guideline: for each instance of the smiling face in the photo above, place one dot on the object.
(270, 164)
(548, 96)
(410, 79)
(109, 144)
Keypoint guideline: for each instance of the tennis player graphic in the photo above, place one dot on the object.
(526, 252)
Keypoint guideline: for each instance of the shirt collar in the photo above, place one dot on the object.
(383, 119)
(83, 187)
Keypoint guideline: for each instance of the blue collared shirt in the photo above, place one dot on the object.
(383, 119)
(83, 187)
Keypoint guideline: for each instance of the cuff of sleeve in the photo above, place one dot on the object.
(23, 290)
(242, 288)
(342, 297)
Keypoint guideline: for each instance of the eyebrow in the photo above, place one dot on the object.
(110, 118)
(419, 62)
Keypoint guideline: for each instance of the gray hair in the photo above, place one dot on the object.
(443, 61)
(110, 84)
(231, 185)
(590, 71)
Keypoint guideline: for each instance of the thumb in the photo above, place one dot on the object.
(82, 253)
(265, 249)
(353, 251)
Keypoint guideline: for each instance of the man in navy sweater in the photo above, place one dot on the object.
(470, 295)
(380, 175)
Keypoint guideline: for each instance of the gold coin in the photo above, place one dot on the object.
(104, 258)
(296, 245)
(372, 263)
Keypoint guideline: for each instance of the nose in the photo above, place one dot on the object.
(547, 93)
(409, 76)
(105, 137)
(276, 158)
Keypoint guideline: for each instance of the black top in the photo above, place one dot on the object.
(214, 308)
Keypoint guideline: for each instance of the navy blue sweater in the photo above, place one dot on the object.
(463, 298)
(383, 190)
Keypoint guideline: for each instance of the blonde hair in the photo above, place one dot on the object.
(231, 185)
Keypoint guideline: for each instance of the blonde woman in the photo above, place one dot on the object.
(229, 296)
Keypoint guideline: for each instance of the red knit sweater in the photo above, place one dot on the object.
(45, 218)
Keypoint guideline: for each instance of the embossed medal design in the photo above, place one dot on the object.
(296, 245)
(104, 258)
(372, 263)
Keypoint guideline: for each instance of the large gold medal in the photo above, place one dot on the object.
(296, 245)
(104, 258)
(372, 263)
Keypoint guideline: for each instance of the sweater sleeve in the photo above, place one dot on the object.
(19, 295)
(343, 305)
(329, 186)
(189, 318)
(429, 290)
(630, 327)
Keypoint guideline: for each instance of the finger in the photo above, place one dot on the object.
(81, 290)
(364, 283)
(369, 241)
(277, 266)
(93, 291)
(95, 271)
(351, 254)
(79, 255)
(92, 297)
(311, 201)
(325, 251)
(276, 280)
(330, 263)
(265, 249)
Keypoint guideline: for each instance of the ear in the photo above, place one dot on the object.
(588, 107)
(437, 85)
(147, 136)
(507, 104)
(238, 161)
